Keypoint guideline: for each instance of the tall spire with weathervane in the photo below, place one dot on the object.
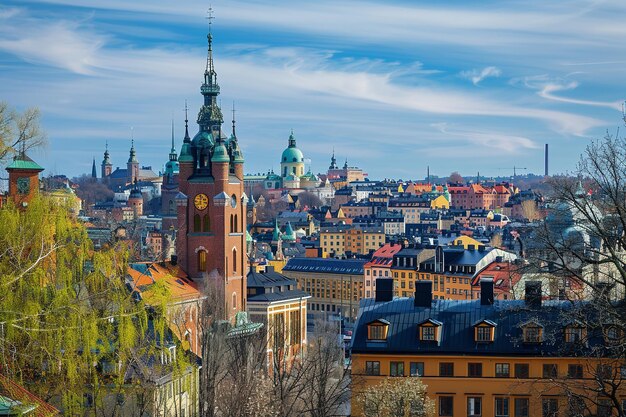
(210, 114)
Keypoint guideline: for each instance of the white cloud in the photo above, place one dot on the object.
(477, 76)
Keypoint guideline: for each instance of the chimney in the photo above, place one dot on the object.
(471, 247)
(384, 289)
(532, 295)
(423, 293)
(269, 268)
(481, 248)
(546, 161)
(486, 291)
(174, 260)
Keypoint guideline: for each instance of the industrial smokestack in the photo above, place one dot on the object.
(546, 161)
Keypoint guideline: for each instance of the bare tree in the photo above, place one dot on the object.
(19, 131)
(456, 178)
(396, 397)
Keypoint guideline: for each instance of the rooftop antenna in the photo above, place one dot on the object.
(233, 117)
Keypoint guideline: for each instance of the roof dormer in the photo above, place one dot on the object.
(532, 332)
(484, 331)
(377, 330)
(429, 331)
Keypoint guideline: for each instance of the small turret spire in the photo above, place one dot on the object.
(187, 139)
(234, 135)
(93, 168)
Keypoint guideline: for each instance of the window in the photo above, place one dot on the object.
(550, 407)
(576, 406)
(612, 334)
(522, 370)
(396, 369)
(234, 260)
(201, 261)
(446, 406)
(533, 334)
(484, 333)
(428, 333)
(196, 223)
(474, 406)
(377, 331)
(604, 407)
(550, 370)
(372, 368)
(475, 370)
(575, 371)
(502, 370)
(521, 407)
(446, 369)
(502, 407)
(234, 300)
(604, 372)
(417, 369)
(573, 334)
(206, 224)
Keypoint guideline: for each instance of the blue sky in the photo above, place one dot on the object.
(392, 86)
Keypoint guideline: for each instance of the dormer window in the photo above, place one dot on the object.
(430, 331)
(377, 330)
(532, 332)
(612, 334)
(484, 331)
(574, 333)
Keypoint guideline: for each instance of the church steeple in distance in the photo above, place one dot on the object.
(93, 169)
(173, 155)
(210, 114)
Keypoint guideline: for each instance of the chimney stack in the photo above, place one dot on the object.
(384, 289)
(423, 293)
(533, 295)
(546, 161)
(486, 291)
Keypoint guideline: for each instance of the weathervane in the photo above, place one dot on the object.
(210, 17)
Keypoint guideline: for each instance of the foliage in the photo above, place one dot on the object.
(396, 397)
(65, 313)
(19, 129)
(91, 191)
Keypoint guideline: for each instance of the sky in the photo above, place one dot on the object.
(393, 87)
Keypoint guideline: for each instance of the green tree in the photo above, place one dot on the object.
(68, 325)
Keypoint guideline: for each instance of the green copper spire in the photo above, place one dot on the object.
(210, 113)
(133, 155)
(173, 155)
(185, 151)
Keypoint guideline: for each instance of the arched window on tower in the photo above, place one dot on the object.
(234, 300)
(293, 170)
(202, 261)
(285, 172)
(196, 223)
(231, 223)
(236, 224)
(206, 224)
(234, 260)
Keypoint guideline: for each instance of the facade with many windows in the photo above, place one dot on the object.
(488, 358)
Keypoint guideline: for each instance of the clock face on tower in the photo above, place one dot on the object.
(201, 201)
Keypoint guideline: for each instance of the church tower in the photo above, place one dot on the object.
(212, 204)
(169, 189)
(107, 166)
(132, 165)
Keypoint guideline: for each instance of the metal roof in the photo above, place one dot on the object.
(458, 319)
(326, 265)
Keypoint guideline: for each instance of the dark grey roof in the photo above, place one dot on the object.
(457, 331)
(272, 286)
(326, 265)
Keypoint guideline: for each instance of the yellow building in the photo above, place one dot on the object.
(275, 301)
(338, 240)
(440, 203)
(466, 241)
(405, 268)
(502, 358)
(335, 285)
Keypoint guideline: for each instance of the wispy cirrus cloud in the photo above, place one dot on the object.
(477, 76)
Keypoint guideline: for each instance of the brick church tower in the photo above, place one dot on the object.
(211, 204)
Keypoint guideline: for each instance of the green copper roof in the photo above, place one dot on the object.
(220, 154)
(24, 162)
(292, 155)
(289, 233)
(185, 153)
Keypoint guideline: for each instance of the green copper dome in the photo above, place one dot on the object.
(220, 154)
(292, 155)
(202, 137)
(171, 167)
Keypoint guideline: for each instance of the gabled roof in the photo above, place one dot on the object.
(23, 161)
